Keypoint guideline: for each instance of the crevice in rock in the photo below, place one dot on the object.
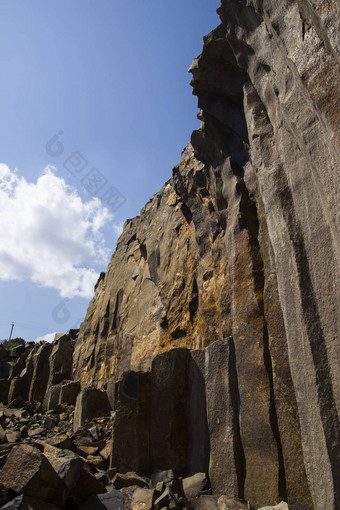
(178, 333)
(116, 318)
(186, 212)
(193, 305)
(106, 321)
(249, 219)
(143, 250)
(240, 460)
(273, 415)
(154, 263)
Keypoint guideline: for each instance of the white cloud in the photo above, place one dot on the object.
(118, 229)
(49, 235)
(48, 337)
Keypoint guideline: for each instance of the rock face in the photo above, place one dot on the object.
(215, 328)
(243, 241)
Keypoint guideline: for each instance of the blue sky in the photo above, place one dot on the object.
(110, 79)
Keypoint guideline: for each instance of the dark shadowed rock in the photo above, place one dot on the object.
(168, 438)
(90, 402)
(226, 455)
(16, 351)
(114, 500)
(29, 503)
(40, 373)
(197, 423)
(4, 389)
(131, 423)
(74, 473)
(128, 479)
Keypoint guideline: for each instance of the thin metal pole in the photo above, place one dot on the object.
(10, 335)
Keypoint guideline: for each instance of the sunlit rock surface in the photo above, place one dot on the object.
(235, 263)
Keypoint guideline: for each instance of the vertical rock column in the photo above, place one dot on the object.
(169, 438)
(264, 479)
(131, 422)
(226, 454)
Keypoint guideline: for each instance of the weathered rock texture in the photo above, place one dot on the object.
(242, 243)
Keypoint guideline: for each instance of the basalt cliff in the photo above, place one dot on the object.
(213, 336)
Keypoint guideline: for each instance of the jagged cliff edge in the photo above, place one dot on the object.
(238, 254)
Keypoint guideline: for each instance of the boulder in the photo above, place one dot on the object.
(142, 499)
(74, 473)
(194, 484)
(13, 436)
(62, 442)
(27, 471)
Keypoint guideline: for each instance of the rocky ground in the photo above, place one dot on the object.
(75, 448)
(47, 466)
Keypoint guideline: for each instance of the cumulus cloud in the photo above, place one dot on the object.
(49, 235)
(49, 337)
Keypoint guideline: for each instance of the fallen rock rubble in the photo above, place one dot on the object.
(45, 465)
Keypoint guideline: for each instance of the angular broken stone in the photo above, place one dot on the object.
(62, 442)
(97, 461)
(13, 436)
(142, 499)
(106, 451)
(49, 422)
(27, 471)
(202, 503)
(195, 484)
(225, 503)
(165, 476)
(36, 432)
(73, 471)
(94, 432)
(126, 480)
(280, 506)
(84, 451)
